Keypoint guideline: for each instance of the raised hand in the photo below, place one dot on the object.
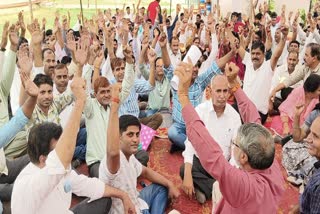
(152, 56)
(231, 71)
(145, 43)
(98, 60)
(13, 36)
(116, 90)
(184, 72)
(163, 40)
(78, 88)
(71, 43)
(25, 60)
(29, 86)
(4, 39)
(128, 54)
(81, 52)
(285, 31)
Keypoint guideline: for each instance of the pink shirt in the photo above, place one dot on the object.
(297, 97)
(257, 191)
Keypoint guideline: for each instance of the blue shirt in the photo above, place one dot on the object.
(130, 105)
(310, 198)
(11, 128)
(195, 90)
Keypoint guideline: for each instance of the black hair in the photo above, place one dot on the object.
(39, 140)
(258, 16)
(312, 83)
(258, 45)
(315, 50)
(274, 15)
(48, 32)
(128, 120)
(295, 42)
(45, 50)
(41, 79)
(65, 60)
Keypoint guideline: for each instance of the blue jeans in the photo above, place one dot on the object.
(156, 196)
(81, 146)
(177, 134)
(147, 113)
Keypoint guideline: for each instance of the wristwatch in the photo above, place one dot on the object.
(3, 49)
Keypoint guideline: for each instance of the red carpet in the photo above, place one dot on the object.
(169, 165)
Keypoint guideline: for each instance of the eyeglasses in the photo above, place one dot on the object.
(232, 141)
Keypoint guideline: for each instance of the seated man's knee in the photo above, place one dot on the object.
(143, 157)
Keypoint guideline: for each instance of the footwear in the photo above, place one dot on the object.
(200, 196)
(174, 149)
(277, 139)
(75, 163)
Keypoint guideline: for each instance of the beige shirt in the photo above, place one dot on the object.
(301, 73)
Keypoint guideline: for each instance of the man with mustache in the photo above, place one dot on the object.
(222, 122)
(311, 66)
(258, 74)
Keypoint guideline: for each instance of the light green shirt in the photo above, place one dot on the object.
(5, 85)
(97, 118)
(160, 96)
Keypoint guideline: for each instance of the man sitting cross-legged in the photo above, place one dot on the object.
(46, 184)
(257, 186)
(222, 122)
(121, 169)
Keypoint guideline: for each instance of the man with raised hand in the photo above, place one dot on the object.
(121, 169)
(49, 176)
(257, 186)
(16, 124)
(177, 131)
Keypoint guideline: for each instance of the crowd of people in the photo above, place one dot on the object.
(81, 94)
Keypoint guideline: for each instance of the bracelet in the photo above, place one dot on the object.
(115, 100)
(3, 49)
(235, 88)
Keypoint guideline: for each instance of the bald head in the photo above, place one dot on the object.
(219, 79)
(219, 91)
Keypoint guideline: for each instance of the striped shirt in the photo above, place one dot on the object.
(130, 104)
(310, 199)
(195, 90)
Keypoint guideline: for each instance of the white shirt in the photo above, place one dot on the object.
(126, 180)
(257, 83)
(174, 58)
(223, 129)
(49, 190)
(280, 74)
(65, 114)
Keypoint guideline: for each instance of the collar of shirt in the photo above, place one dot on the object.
(101, 106)
(316, 70)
